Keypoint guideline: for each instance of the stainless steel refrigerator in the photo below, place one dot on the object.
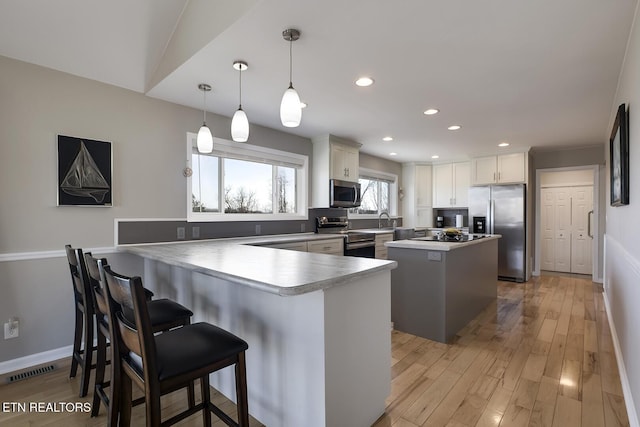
(501, 209)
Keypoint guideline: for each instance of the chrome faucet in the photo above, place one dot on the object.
(380, 219)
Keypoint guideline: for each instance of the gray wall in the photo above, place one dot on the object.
(149, 145)
(622, 243)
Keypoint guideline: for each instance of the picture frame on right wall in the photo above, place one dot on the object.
(619, 158)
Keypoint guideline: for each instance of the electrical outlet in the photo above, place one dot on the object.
(11, 329)
(195, 232)
(303, 227)
(181, 233)
(258, 229)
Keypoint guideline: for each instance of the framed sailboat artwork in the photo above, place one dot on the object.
(84, 172)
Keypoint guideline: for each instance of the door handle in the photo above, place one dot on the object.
(589, 216)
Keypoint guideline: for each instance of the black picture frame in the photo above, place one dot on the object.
(619, 158)
(84, 172)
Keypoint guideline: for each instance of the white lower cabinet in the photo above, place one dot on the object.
(381, 249)
(292, 246)
(329, 246)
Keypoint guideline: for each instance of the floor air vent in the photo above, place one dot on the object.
(31, 373)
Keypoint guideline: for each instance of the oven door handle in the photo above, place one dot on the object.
(359, 245)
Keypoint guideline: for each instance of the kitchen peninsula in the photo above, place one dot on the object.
(318, 326)
(440, 286)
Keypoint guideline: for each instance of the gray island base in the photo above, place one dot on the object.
(439, 287)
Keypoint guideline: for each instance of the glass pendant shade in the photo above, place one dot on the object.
(240, 126)
(205, 139)
(290, 108)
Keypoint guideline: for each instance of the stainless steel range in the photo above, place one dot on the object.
(356, 243)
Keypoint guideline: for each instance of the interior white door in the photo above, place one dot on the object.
(562, 229)
(581, 242)
(547, 232)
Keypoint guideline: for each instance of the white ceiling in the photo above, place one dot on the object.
(534, 73)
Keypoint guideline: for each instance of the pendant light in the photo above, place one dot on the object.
(205, 139)
(290, 108)
(240, 123)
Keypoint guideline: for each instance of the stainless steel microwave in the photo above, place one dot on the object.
(344, 194)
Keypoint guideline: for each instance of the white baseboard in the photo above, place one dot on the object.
(624, 379)
(35, 359)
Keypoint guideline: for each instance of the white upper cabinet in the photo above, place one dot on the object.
(506, 168)
(423, 185)
(344, 162)
(333, 158)
(451, 184)
(417, 199)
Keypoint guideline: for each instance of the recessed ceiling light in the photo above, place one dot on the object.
(454, 127)
(431, 111)
(435, 156)
(393, 154)
(303, 104)
(503, 144)
(364, 81)
(387, 138)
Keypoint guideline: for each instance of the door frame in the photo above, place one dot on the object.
(596, 274)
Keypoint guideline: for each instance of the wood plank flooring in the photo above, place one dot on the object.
(542, 355)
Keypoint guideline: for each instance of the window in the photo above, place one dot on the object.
(245, 182)
(378, 190)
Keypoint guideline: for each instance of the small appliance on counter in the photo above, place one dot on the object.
(440, 222)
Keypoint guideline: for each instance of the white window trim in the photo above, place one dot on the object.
(245, 151)
(393, 191)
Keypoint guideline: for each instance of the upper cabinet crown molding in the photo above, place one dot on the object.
(502, 169)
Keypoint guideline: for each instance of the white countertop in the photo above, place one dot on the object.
(277, 271)
(437, 245)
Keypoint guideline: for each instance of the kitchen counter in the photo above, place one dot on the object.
(428, 245)
(438, 287)
(309, 320)
(270, 270)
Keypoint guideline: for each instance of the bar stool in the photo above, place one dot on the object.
(166, 362)
(84, 319)
(165, 315)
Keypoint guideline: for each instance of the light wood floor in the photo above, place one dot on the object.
(542, 355)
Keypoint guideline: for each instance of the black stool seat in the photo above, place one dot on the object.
(199, 344)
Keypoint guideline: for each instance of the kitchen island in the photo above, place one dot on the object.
(438, 287)
(318, 326)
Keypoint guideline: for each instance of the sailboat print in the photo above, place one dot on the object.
(84, 178)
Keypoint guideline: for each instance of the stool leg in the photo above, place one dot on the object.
(206, 398)
(115, 390)
(125, 399)
(86, 360)
(77, 343)
(191, 394)
(101, 363)
(241, 391)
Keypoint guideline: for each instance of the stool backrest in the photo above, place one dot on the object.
(97, 282)
(79, 278)
(128, 293)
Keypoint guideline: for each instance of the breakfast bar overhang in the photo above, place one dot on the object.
(318, 326)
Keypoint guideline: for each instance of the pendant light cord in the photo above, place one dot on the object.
(290, 63)
(240, 83)
(204, 107)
